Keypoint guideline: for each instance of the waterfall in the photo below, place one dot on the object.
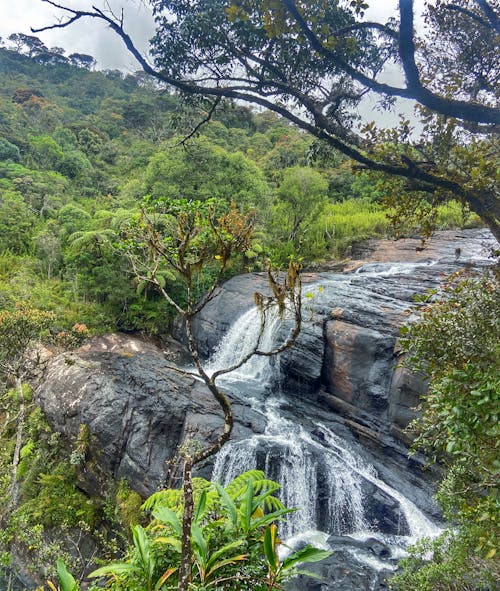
(418, 524)
(240, 339)
(321, 473)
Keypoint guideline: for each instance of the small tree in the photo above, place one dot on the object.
(194, 241)
(301, 198)
(19, 331)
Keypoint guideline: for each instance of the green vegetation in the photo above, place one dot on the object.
(40, 526)
(80, 149)
(456, 345)
(234, 543)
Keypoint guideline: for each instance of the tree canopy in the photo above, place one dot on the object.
(312, 62)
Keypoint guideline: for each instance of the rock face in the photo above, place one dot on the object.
(137, 409)
(346, 355)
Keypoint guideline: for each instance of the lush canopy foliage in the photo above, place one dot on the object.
(455, 344)
(80, 149)
(312, 62)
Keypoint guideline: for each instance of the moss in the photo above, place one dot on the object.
(128, 505)
(58, 501)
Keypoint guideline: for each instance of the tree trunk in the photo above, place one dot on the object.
(187, 519)
(14, 486)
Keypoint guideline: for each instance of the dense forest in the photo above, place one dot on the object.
(80, 149)
(83, 156)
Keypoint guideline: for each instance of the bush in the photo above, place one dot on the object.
(8, 151)
(456, 346)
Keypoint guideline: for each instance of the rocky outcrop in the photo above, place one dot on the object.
(137, 408)
(346, 356)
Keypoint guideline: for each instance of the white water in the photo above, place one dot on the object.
(243, 337)
(300, 460)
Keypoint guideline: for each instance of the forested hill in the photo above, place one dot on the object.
(78, 151)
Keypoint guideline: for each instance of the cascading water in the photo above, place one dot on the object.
(320, 472)
(245, 335)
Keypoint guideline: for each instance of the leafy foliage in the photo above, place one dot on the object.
(82, 148)
(234, 541)
(455, 344)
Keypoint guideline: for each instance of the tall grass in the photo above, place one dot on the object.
(346, 222)
(352, 220)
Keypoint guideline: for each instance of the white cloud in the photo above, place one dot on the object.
(86, 36)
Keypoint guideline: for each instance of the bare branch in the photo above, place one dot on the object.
(407, 44)
(200, 124)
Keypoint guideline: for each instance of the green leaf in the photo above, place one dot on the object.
(200, 507)
(239, 485)
(115, 568)
(199, 542)
(225, 562)
(164, 577)
(270, 548)
(142, 544)
(269, 518)
(228, 504)
(66, 580)
(216, 555)
(307, 554)
(167, 516)
(171, 541)
(247, 508)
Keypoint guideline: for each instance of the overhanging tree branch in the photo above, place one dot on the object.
(414, 90)
(266, 92)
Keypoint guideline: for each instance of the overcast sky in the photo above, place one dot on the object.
(86, 36)
(94, 38)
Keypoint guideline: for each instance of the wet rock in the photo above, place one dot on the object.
(355, 365)
(342, 572)
(137, 408)
(355, 565)
(234, 298)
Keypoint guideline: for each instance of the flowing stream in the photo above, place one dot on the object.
(320, 472)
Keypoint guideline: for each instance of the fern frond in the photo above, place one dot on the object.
(273, 504)
(170, 498)
(238, 486)
(200, 484)
(265, 485)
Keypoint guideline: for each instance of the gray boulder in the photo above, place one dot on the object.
(137, 408)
